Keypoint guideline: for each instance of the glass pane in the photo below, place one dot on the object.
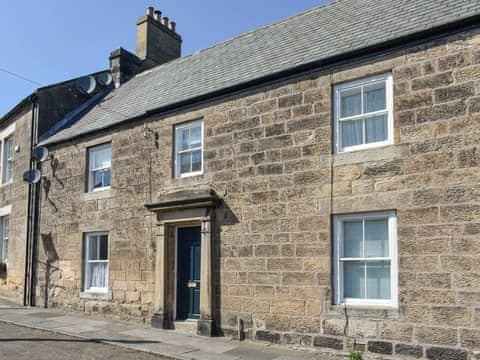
(352, 239)
(378, 280)
(197, 161)
(185, 161)
(352, 133)
(376, 128)
(98, 179)
(376, 238)
(374, 97)
(8, 148)
(103, 247)
(92, 247)
(5, 226)
(97, 275)
(196, 137)
(106, 177)
(354, 280)
(102, 158)
(184, 139)
(350, 102)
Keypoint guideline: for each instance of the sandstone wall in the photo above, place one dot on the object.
(269, 155)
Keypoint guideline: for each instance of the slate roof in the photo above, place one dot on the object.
(320, 33)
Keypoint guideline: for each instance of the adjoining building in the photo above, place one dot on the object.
(313, 182)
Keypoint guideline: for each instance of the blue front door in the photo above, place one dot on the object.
(188, 273)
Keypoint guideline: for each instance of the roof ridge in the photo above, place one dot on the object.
(236, 37)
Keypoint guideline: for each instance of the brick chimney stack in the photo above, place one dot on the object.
(157, 39)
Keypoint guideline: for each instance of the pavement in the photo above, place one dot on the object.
(23, 343)
(134, 336)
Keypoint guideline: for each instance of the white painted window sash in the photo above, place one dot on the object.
(387, 78)
(92, 170)
(339, 260)
(179, 151)
(87, 261)
(5, 226)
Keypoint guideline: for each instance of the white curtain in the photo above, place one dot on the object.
(98, 275)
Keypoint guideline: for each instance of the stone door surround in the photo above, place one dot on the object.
(187, 207)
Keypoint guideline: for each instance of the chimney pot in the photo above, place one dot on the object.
(157, 15)
(150, 11)
(165, 21)
(172, 25)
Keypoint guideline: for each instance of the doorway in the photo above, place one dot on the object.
(188, 273)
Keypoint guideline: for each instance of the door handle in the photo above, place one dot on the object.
(191, 284)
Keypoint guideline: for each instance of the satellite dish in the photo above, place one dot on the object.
(104, 79)
(40, 153)
(32, 176)
(86, 85)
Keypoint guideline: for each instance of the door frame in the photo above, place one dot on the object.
(175, 275)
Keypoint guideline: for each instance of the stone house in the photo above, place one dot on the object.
(313, 182)
(35, 117)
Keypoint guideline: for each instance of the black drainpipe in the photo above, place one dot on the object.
(32, 212)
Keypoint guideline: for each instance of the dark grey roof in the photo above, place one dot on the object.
(320, 33)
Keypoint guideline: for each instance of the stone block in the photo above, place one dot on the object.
(412, 351)
(288, 307)
(328, 342)
(380, 347)
(439, 353)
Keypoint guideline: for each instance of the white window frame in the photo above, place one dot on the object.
(5, 135)
(4, 237)
(92, 170)
(7, 160)
(178, 151)
(338, 259)
(86, 261)
(387, 77)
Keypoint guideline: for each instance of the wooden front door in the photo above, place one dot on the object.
(188, 272)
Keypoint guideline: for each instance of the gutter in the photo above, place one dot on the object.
(406, 41)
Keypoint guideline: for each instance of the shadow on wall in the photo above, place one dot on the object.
(224, 217)
(51, 257)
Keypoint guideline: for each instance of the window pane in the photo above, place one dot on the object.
(185, 161)
(374, 97)
(376, 238)
(106, 177)
(378, 280)
(376, 128)
(185, 142)
(352, 133)
(92, 247)
(103, 247)
(197, 160)
(352, 237)
(98, 179)
(196, 137)
(354, 280)
(97, 275)
(351, 102)
(5, 226)
(102, 158)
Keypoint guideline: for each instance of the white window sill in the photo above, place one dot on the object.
(189, 175)
(99, 189)
(365, 147)
(102, 193)
(94, 295)
(5, 184)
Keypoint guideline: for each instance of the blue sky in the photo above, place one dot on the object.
(53, 40)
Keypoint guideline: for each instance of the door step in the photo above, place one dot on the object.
(186, 327)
